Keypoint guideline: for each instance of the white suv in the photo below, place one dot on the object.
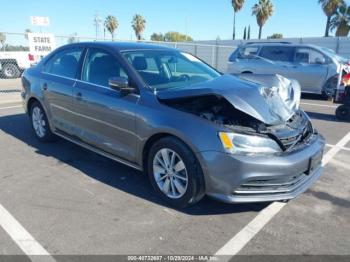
(316, 68)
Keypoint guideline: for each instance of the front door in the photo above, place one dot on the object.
(105, 118)
(311, 69)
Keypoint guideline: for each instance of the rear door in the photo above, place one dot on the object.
(105, 118)
(57, 81)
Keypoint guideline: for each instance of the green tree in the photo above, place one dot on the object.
(26, 32)
(341, 21)
(138, 24)
(157, 37)
(245, 33)
(275, 36)
(330, 8)
(237, 6)
(263, 11)
(111, 24)
(177, 37)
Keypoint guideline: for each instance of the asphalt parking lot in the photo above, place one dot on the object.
(64, 200)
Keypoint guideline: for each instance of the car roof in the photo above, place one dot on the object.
(259, 44)
(123, 46)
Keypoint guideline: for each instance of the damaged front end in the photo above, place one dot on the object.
(262, 111)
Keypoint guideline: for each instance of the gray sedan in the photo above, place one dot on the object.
(192, 130)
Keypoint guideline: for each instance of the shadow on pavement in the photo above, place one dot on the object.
(312, 96)
(324, 116)
(108, 171)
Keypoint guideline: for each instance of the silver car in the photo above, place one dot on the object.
(316, 68)
(193, 131)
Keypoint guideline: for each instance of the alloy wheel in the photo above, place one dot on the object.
(38, 121)
(170, 173)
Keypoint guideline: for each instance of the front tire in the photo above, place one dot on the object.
(343, 113)
(329, 88)
(40, 123)
(175, 173)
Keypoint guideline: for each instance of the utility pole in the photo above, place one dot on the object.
(97, 24)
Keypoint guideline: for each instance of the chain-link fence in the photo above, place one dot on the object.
(15, 56)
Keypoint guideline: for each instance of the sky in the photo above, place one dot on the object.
(201, 19)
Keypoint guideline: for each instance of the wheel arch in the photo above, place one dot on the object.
(150, 141)
(30, 103)
(156, 137)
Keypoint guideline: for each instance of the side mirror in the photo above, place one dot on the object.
(320, 60)
(121, 84)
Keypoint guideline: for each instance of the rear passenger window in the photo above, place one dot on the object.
(64, 63)
(278, 53)
(100, 66)
(248, 52)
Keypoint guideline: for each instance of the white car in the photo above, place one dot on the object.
(12, 64)
(316, 68)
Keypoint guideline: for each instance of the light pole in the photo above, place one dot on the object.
(97, 24)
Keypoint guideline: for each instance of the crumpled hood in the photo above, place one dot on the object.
(272, 99)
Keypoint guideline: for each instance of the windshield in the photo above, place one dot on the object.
(162, 69)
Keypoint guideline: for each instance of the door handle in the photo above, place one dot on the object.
(79, 96)
(44, 87)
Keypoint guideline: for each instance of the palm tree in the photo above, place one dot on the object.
(111, 24)
(341, 21)
(329, 8)
(237, 6)
(263, 10)
(138, 24)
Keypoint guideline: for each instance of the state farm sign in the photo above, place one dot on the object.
(41, 44)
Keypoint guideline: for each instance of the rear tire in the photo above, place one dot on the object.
(175, 173)
(10, 71)
(40, 123)
(343, 113)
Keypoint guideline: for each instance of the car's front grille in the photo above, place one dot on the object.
(293, 141)
(298, 131)
(271, 186)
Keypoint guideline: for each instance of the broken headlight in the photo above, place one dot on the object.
(248, 144)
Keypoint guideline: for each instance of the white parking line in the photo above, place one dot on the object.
(343, 148)
(10, 107)
(22, 238)
(320, 105)
(242, 238)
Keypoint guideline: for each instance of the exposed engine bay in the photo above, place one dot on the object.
(281, 102)
(218, 110)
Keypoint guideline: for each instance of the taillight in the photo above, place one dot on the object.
(30, 57)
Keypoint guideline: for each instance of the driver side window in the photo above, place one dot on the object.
(100, 66)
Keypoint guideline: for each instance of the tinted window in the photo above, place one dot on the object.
(309, 56)
(278, 53)
(64, 63)
(100, 66)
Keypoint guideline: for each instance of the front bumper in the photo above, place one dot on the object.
(238, 178)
